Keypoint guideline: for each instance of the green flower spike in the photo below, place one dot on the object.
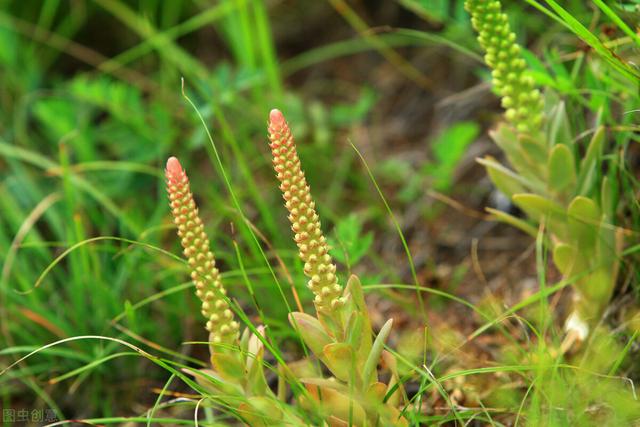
(520, 98)
(305, 223)
(221, 325)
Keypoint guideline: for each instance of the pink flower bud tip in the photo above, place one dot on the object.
(276, 118)
(174, 168)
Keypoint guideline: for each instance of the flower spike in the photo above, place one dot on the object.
(522, 101)
(221, 325)
(305, 223)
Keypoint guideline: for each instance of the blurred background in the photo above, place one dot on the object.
(93, 101)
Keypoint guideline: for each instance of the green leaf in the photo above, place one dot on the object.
(338, 406)
(355, 297)
(354, 290)
(214, 383)
(339, 359)
(448, 149)
(228, 365)
(397, 392)
(354, 329)
(609, 196)
(130, 314)
(590, 164)
(504, 179)
(561, 168)
(325, 383)
(59, 116)
(350, 245)
(376, 392)
(537, 70)
(254, 376)
(584, 220)
(11, 47)
(369, 374)
(506, 138)
(312, 332)
(346, 114)
(564, 257)
(261, 411)
(536, 206)
(513, 221)
(595, 290)
(559, 131)
(541, 210)
(533, 150)
(617, 20)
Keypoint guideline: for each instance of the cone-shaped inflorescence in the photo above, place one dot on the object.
(520, 98)
(305, 223)
(220, 323)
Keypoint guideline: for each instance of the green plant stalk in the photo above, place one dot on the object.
(341, 335)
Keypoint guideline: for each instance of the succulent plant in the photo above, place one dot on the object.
(237, 376)
(547, 182)
(341, 336)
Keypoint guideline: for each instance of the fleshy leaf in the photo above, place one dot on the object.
(354, 294)
(369, 373)
(512, 220)
(506, 138)
(608, 197)
(338, 405)
(214, 382)
(504, 179)
(312, 332)
(354, 330)
(533, 150)
(376, 392)
(260, 411)
(561, 168)
(564, 258)
(228, 365)
(254, 369)
(325, 383)
(339, 360)
(584, 219)
(590, 164)
(559, 130)
(542, 209)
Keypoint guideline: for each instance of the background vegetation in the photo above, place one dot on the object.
(382, 95)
